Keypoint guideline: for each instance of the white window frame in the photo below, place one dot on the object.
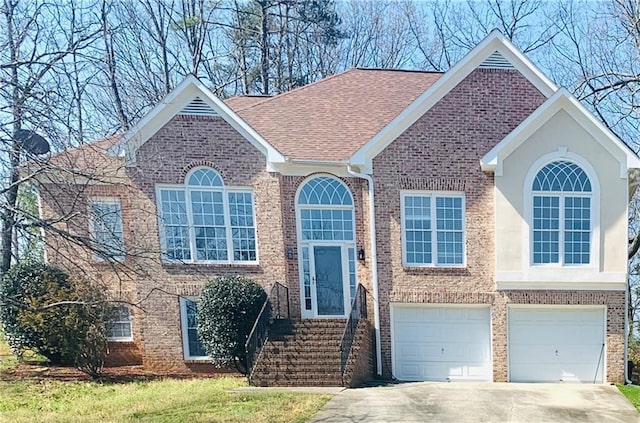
(129, 321)
(561, 196)
(434, 239)
(191, 228)
(344, 245)
(185, 332)
(92, 229)
(529, 193)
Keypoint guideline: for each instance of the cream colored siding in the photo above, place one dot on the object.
(610, 218)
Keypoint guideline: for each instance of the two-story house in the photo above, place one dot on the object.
(484, 210)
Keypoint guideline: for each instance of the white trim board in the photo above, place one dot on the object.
(561, 100)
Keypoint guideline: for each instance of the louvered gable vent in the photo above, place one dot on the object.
(496, 61)
(198, 107)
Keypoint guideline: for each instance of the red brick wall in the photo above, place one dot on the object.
(442, 151)
(166, 158)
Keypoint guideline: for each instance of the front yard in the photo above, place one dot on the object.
(632, 393)
(167, 400)
(42, 398)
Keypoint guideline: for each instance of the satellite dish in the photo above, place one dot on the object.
(32, 142)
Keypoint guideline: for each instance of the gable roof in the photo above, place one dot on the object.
(192, 97)
(239, 102)
(495, 51)
(332, 118)
(561, 100)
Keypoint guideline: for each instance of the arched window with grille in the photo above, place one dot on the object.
(204, 221)
(327, 246)
(562, 214)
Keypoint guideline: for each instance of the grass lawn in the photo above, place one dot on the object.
(162, 400)
(632, 393)
(168, 400)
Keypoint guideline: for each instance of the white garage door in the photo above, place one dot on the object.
(441, 343)
(556, 344)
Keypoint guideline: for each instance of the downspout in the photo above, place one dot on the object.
(626, 335)
(374, 264)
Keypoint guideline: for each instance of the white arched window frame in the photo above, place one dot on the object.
(325, 216)
(566, 200)
(204, 221)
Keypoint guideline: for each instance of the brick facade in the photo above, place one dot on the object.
(441, 151)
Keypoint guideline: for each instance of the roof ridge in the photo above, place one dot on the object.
(401, 70)
(295, 90)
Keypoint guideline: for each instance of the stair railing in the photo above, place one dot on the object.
(277, 303)
(358, 311)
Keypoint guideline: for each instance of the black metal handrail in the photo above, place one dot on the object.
(260, 331)
(358, 311)
(279, 297)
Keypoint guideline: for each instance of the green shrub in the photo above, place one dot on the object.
(42, 309)
(227, 310)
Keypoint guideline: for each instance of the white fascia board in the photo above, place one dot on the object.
(190, 88)
(495, 41)
(307, 167)
(561, 100)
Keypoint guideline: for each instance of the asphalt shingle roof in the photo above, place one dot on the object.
(331, 119)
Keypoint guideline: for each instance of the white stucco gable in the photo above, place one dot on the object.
(191, 97)
(495, 51)
(565, 101)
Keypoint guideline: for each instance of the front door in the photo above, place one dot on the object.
(328, 281)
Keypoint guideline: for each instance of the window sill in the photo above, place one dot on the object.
(212, 263)
(436, 270)
(198, 360)
(120, 340)
(208, 267)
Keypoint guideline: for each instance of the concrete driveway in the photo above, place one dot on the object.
(479, 402)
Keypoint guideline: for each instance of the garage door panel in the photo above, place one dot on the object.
(442, 343)
(553, 344)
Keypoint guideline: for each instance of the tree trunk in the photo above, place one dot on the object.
(264, 47)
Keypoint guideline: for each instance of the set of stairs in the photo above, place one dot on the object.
(306, 353)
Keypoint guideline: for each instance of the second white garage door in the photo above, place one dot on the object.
(441, 342)
(556, 344)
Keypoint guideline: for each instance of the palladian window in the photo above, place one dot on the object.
(562, 213)
(205, 221)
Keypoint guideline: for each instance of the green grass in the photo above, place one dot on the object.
(163, 400)
(168, 400)
(632, 393)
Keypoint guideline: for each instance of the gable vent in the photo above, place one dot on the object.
(496, 61)
(198, 107)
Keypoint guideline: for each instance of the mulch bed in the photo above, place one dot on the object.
(37, 371)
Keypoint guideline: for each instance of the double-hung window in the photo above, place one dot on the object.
(119, 324)
(105, 217)
(562, 204)
(205, 221)
(433, 229)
